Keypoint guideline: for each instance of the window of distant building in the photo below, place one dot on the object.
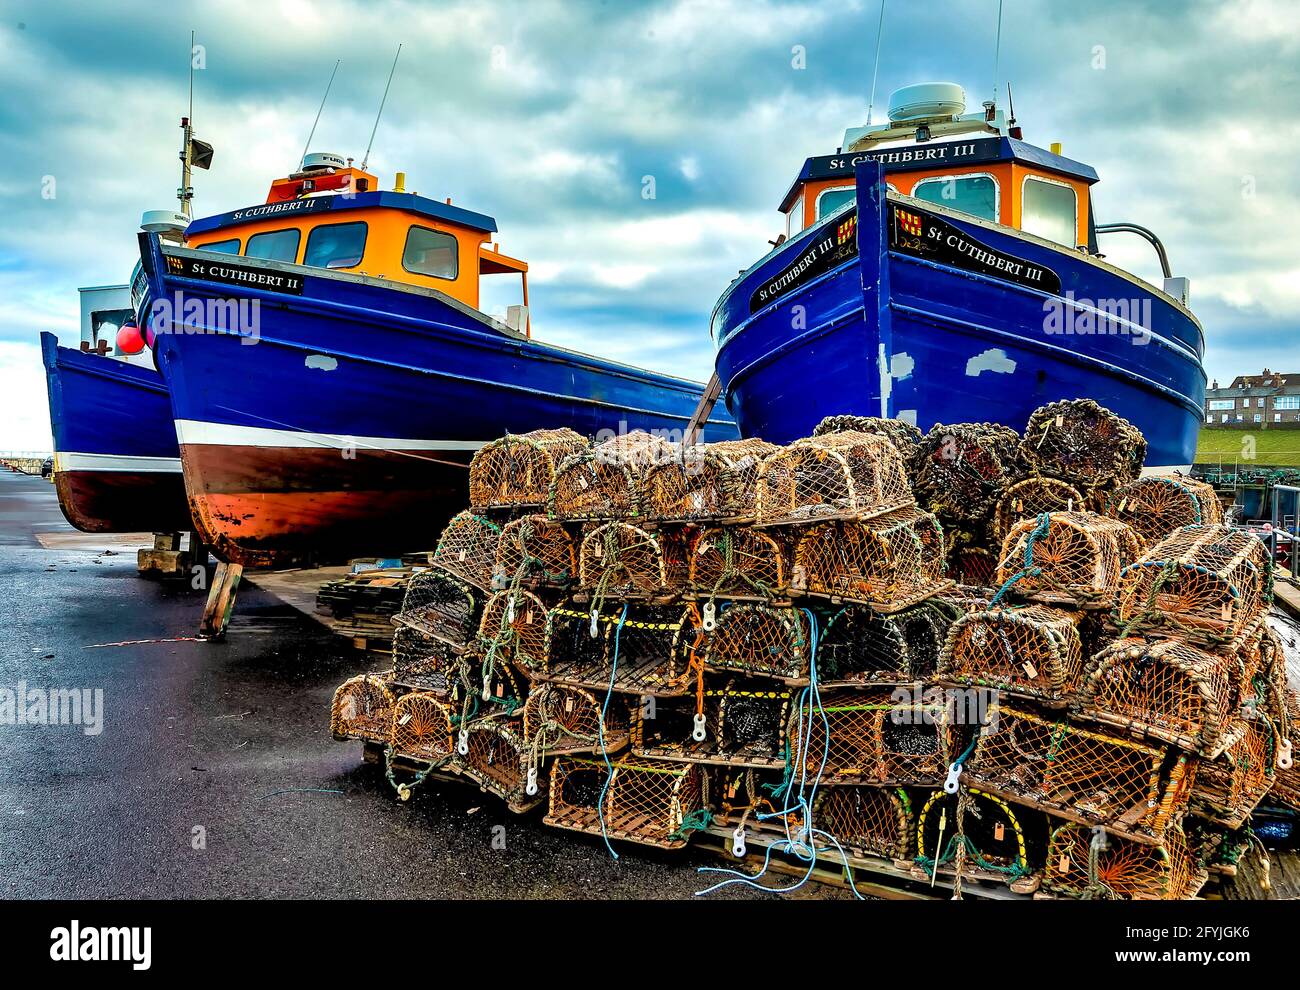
(1217, 404)
(1286, 402)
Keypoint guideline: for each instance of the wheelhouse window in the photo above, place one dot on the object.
(794, 219)
(336, 245)
(830, 200)
(1050, 209)
(973, 194)
(221, 247)
(274, 245)
(430, 252)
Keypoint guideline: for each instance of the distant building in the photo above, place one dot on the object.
(1264, 400)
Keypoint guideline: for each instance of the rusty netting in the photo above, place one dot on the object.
(604, 482)
(420, 661)
(537, 551)
(1286, 782)
(1087, 864)
(866, 820)
(645, 801)
(513, 628)
(1166, 689)
(963, 469)
(739, 723)
(1128, 786)
(738, 562)
(861, 646)
(1158, 505)
(1084, 443)
(1070, 558)
(835, 476)
(421, 728)
(362, 709)
(517, 470)
(978, 834)
(1228, 788)
(468, 549)
(869, 737)
(1029, 498)
(562, 719)
(442, 606)
(905, 437)
(1209, 583)
(971, 564)
(633, 647)
(482, 683)
(495, 757)
(771, 640)
(708, 482)
(619, 560)
(1263, 678)
(1034, 650)
(889, 562)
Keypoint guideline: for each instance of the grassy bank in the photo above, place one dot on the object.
(1271, 448)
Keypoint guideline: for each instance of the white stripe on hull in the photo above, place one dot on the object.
(193, 431)
(72, 461)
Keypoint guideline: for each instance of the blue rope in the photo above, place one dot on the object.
(609, 693)
(1029, 570)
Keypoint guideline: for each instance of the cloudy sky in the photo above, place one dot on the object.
(548, 115)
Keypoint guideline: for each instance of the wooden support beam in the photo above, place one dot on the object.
(221, 601)
(712, 392)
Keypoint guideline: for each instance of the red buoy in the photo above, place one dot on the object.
(129, 339)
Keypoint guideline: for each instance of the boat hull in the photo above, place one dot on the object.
(962, 321)
(344, 420)
(116, 462)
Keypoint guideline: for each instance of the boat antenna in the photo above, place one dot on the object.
(381, 108)
(1011, 105)
(312, 133)
(185, 194)
(997, 55)
(875, 68)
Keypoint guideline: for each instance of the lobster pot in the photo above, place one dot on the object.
(498, 762)
(1035, 650)
(1083, 443)
(517, 470)
(1124, 870)
(641, 649)
(441, 606)
(737, 562)
(421, 728)
(1158, 505)
(422, 662)
(708, 482)
(538, 551)
(1166, 689)
(1072, 558)
(624, 561)
(1286, 781)
(562, 719)
(1000, 841)
(738, 796)
(362, 709)
(761, 639)
(972, 565)
(1128, 786)
(890, 562)
(605, 481)
(1029, 498)
(837, 475)
(865, 820)
(1228, 788)
(905, 437)
(647, 801)
(860, 646)
(744, 726)
(962, 470)
(1211, 583)
(468, 549)
(872, 739)
(513, 628)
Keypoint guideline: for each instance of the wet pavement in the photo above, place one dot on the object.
(212, 774)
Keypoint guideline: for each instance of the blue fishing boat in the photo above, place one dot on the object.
(940, 269)
(117, 468)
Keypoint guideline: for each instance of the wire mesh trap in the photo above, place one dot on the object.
(861, 646)
(740, 797)
(1130, 787)
(1211, 583)
(442, 606)
(1083, 443)
(770, 640)
(963, 469)
(562, 719)
(496, 758)
(1084, 863)
(905, 437)
(620, 560)
(1166, 689)
(869, 738)
(422, 662)
(421, 728)
(738, 562)
(1072, 558)
(740, 723)
(979, 835)
(889, 562)
(644, 801)
(517, 470)
(1158, 505)
(1035, 651)
(637, 648)
(536, 551)
(834, 476)
(1029, 498)
(605, 481)
(513, 628)
(1228, 788)
(707, 483)
(362, 709)
(468, 549)
(865, 820)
